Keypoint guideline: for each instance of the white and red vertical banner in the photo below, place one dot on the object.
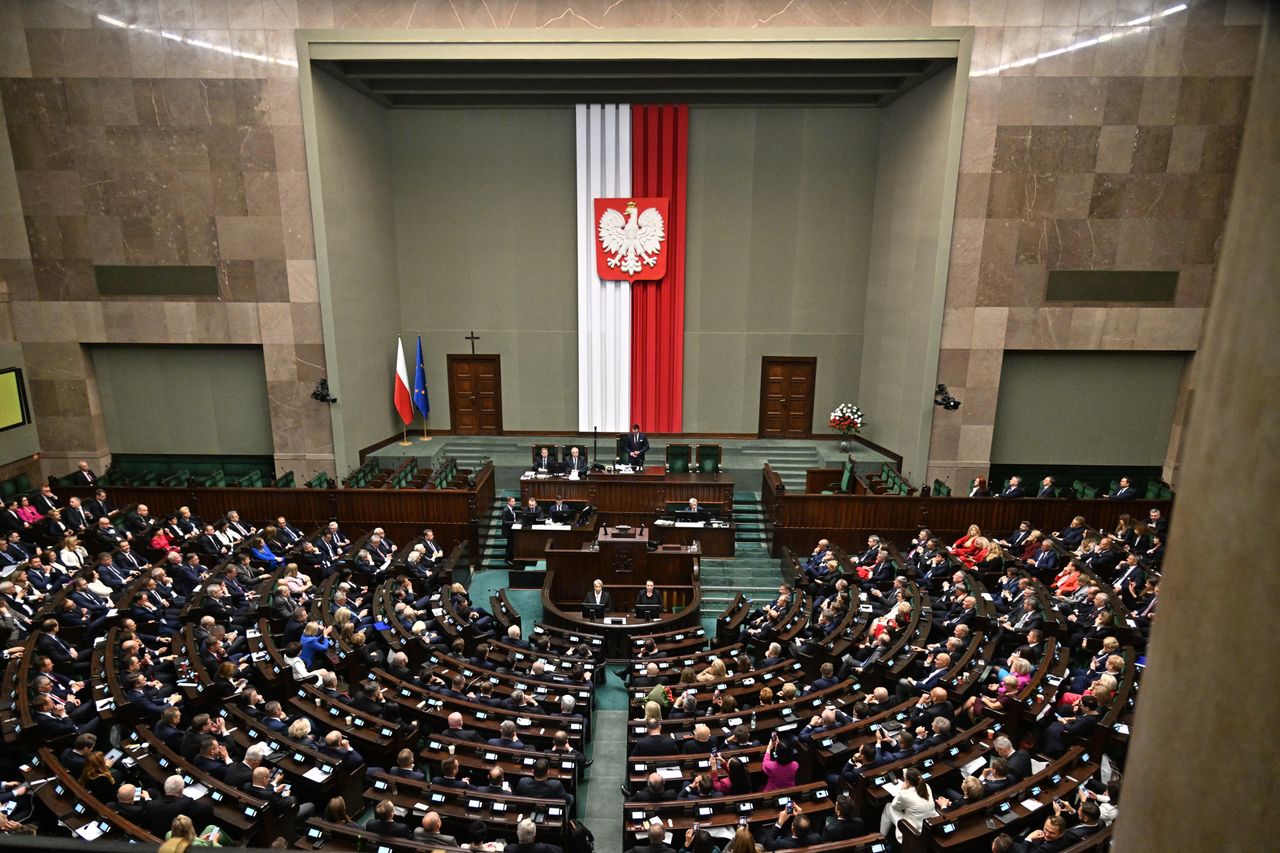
(632, 164)
(604, 307)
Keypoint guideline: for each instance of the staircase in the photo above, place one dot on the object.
(493, 545)
(753, 572)
(789, 461)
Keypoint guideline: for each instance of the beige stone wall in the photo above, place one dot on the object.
(130, 146)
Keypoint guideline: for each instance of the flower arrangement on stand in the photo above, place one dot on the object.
(847, 419)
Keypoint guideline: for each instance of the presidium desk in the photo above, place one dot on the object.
(623, 558)
(635, 499)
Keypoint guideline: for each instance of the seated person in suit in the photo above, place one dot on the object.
(577, 462)
(1125, 492)
(506, 737)
(404, 766)
(429, 832)
(542, 787)
(559, 510)
(781, 836)
(533, 511)
(384, 821)
(1046, 488)
(527, 840)
(649, 595)
(448, 777)
(599, 595)
(544, 460)
(654, 791)
(1015, 489)
(636, 446)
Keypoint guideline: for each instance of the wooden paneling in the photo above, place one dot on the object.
(633, 499)
(801, 519)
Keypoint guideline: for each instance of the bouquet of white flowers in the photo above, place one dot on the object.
(847, 418)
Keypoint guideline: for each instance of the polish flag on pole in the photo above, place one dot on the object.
(403, 405)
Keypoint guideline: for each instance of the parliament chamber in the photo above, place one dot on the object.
(634, 426)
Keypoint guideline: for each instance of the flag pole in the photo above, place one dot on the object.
(424, 436)
(404, 432)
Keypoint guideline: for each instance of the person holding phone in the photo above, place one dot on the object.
(779, 765)
(790, 831)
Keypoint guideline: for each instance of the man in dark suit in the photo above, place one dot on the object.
(1018, 760)
(1103, 561)
(134, 812)
(1014, 490)
(654, 742)
(790, 831)
(1130, 571)
(1125, 492)
(657, 840)
(544, 460)
(1045, 562)
(83, 475)
(599, 596)
(448, 777)
(527, 840)
(636, 446)
(456, 730)
(75, 517)
(911, 686)
(384, 822)
(1046, 489)
(654, 791)
(46, 501)
(277, 795)
(240, 773)
(507, 737)
(100, 506)
(845, 824)
(577, 462)
(404, 767)
(541, 787)
(510, 516)
(162, 811)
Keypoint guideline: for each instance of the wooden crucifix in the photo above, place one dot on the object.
(473, 337)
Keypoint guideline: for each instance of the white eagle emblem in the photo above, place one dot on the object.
(632, 240)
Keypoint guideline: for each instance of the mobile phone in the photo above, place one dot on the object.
(696, 826)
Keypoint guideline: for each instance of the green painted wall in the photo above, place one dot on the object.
(184, 399)
(906, 285)
(356, 181)
(20, 441)
(1086, 408)
(779, 212)
(485, 227)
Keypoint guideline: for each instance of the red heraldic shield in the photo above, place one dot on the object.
(631, 238)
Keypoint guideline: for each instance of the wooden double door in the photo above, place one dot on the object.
(475, 394)
(786, 396)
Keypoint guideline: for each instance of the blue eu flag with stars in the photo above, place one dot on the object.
(420, 401)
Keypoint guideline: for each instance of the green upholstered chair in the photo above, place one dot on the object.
(679, 458)
(846, 480)
(709, 456)
(22, 483)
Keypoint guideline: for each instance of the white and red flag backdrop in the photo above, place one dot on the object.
(632, 161)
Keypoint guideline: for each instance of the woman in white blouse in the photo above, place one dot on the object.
(912, 802)
(72, 555)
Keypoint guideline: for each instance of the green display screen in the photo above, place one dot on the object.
(13, 399)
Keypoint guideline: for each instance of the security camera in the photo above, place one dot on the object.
(942, 397)
(321, 394)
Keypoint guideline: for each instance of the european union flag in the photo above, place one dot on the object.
(420, 401)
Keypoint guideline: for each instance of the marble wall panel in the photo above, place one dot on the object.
(129, 147)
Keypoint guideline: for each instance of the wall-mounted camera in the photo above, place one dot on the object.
(322, 394)
(942, 397)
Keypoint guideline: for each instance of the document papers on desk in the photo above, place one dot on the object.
(91, 831)
(315, 774)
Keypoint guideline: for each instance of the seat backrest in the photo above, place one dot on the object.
(619, 449)
(709, 456)
(678, 457)
(847, 476)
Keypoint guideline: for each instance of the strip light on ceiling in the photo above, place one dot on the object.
(1137, 25)
(228, 51)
